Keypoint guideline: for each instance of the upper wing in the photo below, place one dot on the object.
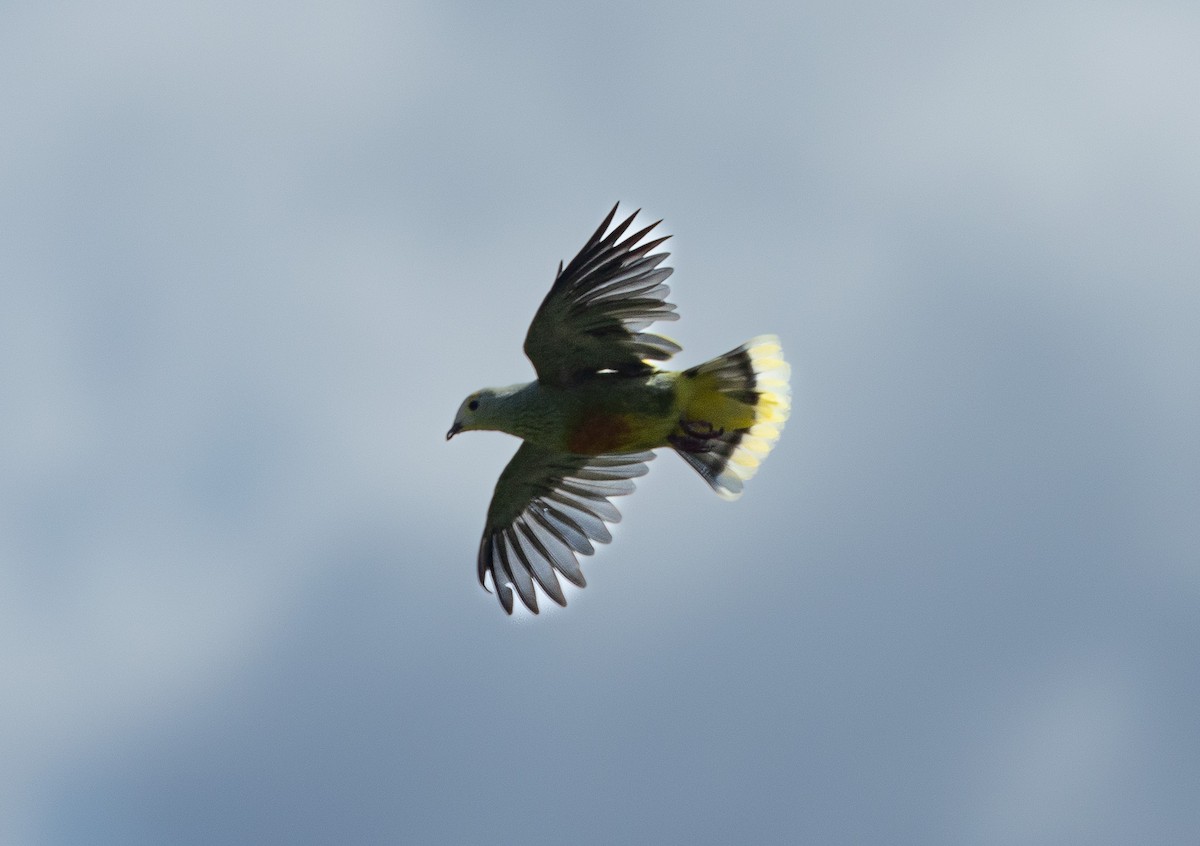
(545, 509)
(593, 316)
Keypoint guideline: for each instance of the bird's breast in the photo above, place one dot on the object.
(601, 432)
(614, 415)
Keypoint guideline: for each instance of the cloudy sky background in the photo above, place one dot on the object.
(253, 256)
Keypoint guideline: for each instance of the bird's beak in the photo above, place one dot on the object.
(454, 430)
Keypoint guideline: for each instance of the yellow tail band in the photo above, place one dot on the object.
(744, 396)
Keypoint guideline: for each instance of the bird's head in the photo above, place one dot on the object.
(476, 412)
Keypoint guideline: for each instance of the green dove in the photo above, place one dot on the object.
(599, 408)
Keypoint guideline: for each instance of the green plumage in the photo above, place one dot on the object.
(598, 409)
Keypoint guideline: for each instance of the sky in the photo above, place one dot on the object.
(254, 256)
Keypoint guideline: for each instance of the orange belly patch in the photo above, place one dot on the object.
(597, 434)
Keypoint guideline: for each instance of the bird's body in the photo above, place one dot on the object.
(605, 413)
(600, 406)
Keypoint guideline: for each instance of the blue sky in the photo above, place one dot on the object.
(254, 257)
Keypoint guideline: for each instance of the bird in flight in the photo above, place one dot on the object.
(599, 408)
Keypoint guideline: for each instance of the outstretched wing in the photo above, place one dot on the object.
(594, 315)
(547, 507)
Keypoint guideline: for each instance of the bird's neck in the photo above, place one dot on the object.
(526, 411)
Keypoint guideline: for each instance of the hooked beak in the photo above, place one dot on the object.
(454, 430)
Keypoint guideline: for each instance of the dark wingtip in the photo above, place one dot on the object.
(607, 220)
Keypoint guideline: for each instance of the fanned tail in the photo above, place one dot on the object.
(734, 408)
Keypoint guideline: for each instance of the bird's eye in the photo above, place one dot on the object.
(473, 405)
